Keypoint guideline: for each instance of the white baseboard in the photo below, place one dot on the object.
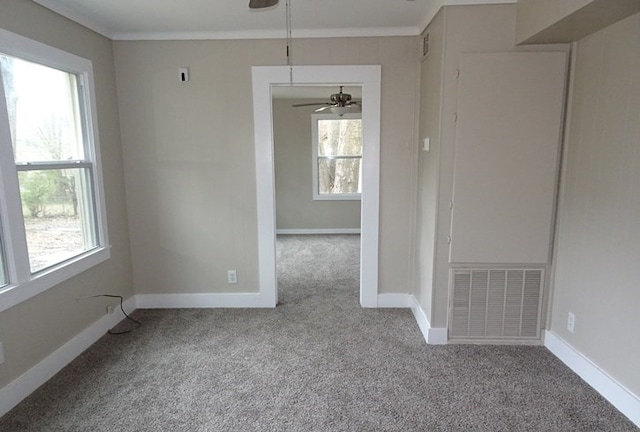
(619, 396)
(319, 231)
(14, 392)
(394, 300)
(432, 335)
(204, 300)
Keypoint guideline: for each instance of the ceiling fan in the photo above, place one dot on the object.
(340, 104)
(260, 4)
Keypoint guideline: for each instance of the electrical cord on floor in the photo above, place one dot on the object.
(137, 323)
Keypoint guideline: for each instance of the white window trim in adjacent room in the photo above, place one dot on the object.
(22, 283)
(314, 155)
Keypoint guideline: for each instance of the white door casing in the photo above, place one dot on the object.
(264, 78)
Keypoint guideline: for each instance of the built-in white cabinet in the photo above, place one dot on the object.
(506, 157)
(508, 127)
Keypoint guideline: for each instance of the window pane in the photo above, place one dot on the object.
(59, 218)
(339, 176)
(44, 114)
(340, 137)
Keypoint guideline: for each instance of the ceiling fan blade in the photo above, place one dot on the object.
(323, 109)
(311, 104)
(260, 4)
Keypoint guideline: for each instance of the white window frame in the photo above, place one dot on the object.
(314, 156)
(22, 283)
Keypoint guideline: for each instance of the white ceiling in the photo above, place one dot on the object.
(232, 19)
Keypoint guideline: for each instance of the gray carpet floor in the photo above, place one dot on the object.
(318, 362)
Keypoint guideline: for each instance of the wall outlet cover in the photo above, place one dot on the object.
(571, 322)
(232, 277)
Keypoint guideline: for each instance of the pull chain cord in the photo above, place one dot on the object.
(289, 42)
(137, 324)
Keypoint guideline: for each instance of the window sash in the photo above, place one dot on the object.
(336, 151)
(53, 127)
(339, 157)
(37, 166)
(79, 227)
(338, 177)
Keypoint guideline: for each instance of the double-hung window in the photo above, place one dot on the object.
(337, 156)
(52, 213)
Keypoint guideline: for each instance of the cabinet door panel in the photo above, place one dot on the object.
(509, 120)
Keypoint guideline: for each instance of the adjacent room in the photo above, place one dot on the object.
(320, 216)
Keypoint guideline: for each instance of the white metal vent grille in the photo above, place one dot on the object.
(496, 304)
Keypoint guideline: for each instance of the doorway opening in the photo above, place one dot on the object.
(265, 78)
(317, 161)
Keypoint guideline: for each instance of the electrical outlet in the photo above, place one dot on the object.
(232, 277)
(111, 309)
(571, 322)
(1, 353)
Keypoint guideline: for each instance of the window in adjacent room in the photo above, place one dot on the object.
(337, 156)
(51, 194)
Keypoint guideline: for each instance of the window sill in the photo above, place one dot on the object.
(14, 294)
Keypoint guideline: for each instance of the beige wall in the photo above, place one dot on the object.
(35, 328)
(189, 155)
(598, 247)
(295, 206)
(428, 163)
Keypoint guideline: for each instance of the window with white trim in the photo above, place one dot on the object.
(52, 213)
(337, 156)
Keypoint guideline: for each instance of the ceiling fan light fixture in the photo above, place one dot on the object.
(342, 110)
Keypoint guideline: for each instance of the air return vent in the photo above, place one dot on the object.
(496, 304)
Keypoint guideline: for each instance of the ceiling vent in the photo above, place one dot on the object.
(496, 304)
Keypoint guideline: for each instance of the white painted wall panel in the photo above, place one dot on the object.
(506, 156)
